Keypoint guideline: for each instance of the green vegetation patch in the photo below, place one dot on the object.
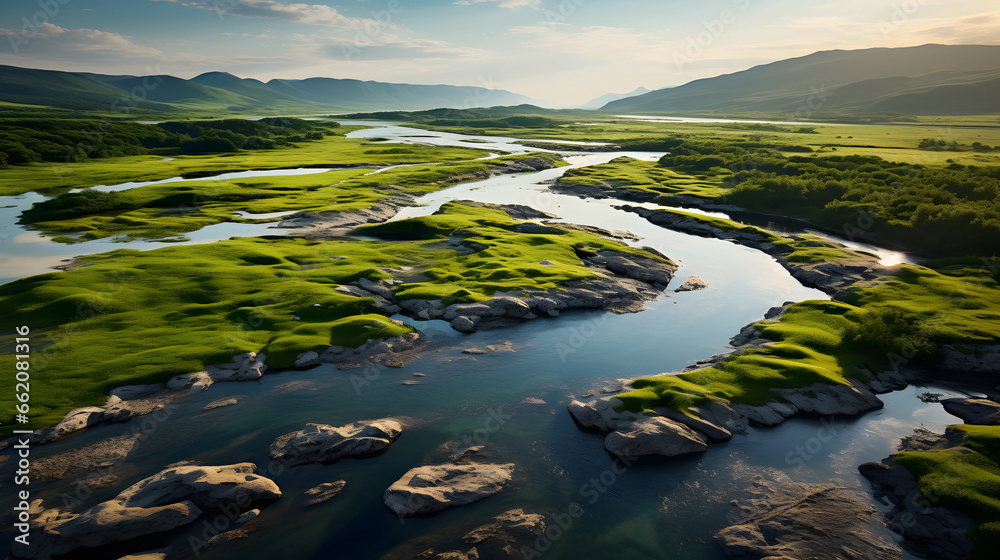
(647, 176)
(968, 481)
(131, 316)
(156, 211)
(901, 318)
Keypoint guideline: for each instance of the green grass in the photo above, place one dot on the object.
(905, 315)
(144, 316)
(156, 211)
(332, 151)
(966, 481)
(644, 176)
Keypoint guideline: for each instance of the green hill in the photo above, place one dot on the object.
(221, 93)
(903, 80)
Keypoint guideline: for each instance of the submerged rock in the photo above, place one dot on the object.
(320, 443)
(323, 492)
(818, 522)
(431, 488)
(510, 530)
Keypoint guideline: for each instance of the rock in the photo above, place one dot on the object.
(431, 488)
(375, 288)
(547, 263)
(228, 401)
(431, 554)
(323, 492)
(205, 487)
(763, 415)
(463, 324)
(86, 462)
(117, 410)
(511, 529)
(654, 436)
(979, 358)
(818, 522)
(474, 351)
(981, 412)
(76, 420)
(929, 531)
(747, 335)
(244, 367)
(699, 425)
(827, 399)
(600, 415)
(157, 504)
(692, 284)
(245, 517)
(320, 443)
(533, 400)
(223, 538)
(160, 554)
(130, 392)
(197, 381)
(409, 382)
(307, 359)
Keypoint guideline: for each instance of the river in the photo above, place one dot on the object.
(657, 509)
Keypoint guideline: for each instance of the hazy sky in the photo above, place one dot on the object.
(566, 51)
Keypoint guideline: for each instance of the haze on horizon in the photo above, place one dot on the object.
(563, 51)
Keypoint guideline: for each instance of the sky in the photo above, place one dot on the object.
(562, 51)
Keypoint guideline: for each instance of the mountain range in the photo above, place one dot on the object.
(924, 80)
(223, 92)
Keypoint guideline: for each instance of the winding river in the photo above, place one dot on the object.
(657, 509)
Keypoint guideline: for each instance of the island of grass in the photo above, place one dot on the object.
(92, 152)
(160, 210)
(134, 317)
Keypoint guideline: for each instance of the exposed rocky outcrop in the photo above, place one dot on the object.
(654, 436)
(693, 283)
(115, 410)
(323, 225)
(393, 352)
(510, 530)
(814, 521)
(622, 283)
(459, 474)
(323, 492)
(976, 358)
(320, 443)
(160, 503)
(929, 530)
(831, 278)
(674, 432)
(244, 367)
(981, 412)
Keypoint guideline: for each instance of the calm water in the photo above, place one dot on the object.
(658, 508)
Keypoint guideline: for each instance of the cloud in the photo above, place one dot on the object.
(398, 50)
(313, 14)
(51, 41)
(504, 3)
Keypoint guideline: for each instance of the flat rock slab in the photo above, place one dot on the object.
(818, 522)
(509, 529)
(320, 443)
(980, 412)
(431, 488)
(654, 436)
